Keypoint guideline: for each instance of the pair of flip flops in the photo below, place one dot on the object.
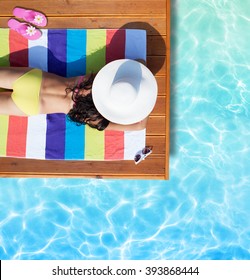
(27, 29)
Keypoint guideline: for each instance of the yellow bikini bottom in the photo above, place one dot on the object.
(26, 91)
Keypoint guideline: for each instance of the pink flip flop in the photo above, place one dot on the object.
(31, 16)
(26, 30)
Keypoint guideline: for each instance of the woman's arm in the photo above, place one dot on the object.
(130, 127)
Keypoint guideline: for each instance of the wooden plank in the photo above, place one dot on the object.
(88, 7)
(97, 169)
(153, 25)
(157, 64)
(156, 45)
(156, 125)
(160, 107)
(161, 82)
(158, 143)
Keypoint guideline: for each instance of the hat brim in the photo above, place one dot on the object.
(124, 111)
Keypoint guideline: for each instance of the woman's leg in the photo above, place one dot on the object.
(8, 75)
(7, 106)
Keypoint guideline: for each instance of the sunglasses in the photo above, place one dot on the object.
(141, 155)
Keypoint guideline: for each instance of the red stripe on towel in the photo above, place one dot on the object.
(18, 46)
(114, 145)
(17, 134)
(115, 45)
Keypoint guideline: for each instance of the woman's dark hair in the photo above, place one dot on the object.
(84, 110)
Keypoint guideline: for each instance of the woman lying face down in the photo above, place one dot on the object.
(31, 91)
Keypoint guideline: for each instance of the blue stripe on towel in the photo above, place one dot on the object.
(55, 136)
(57, 44)
(135, 47)
(38, 52)
(76, 52)
(74, 141)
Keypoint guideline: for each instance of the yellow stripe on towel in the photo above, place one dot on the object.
(4, 47)
(96, 50)
(94, 144)
(4, 124)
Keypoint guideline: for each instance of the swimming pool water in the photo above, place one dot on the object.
(202, 212)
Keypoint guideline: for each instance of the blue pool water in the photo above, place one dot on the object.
(203, 211)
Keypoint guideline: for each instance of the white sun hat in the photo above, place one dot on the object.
(124, 91)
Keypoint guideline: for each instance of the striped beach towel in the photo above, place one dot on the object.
(68, 53)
